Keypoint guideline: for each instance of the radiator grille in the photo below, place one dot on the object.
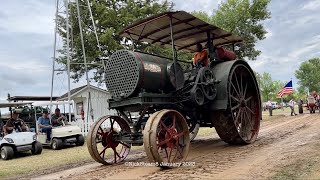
(122, 74)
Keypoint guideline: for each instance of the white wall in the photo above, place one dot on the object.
(99, 101)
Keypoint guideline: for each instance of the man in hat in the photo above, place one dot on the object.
(45, 125)
(15, 123)
(57, 118)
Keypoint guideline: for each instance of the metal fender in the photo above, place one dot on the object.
(222, 71)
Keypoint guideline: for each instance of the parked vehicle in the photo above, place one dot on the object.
(61, 135)
(16, 141)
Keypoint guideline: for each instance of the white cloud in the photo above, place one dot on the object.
(269, 33)
(312, 6)
(28, 17)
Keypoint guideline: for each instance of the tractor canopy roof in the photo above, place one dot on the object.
(14, 104)
(188, 30)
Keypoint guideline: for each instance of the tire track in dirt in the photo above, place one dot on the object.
(212, 156)
(225, 156)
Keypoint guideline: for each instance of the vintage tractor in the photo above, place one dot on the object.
(159, 102)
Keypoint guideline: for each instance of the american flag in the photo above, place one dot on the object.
(287, 89)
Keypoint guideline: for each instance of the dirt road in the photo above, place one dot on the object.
(285, 145)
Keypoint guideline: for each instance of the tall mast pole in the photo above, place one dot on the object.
(54, 52)
(84, 55)
(68, 55)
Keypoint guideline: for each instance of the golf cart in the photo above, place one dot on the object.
(16, 141)
(61, 135)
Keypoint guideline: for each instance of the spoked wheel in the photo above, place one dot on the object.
(207, 79)
(240, 123)
(166, 137)
(102, 145)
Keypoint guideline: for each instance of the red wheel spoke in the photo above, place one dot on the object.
(179, 150)
(241, 87)
(165, 149)
(163, 125)
(111, 122)
(250, 110)
(101, 133)
(181, 134)
(245, 90)
(249, 120)
(248, 99)
(234, 98)
(104, 149)
(174, 121)
(124, 144)
(240, 93)
(235, 89)
(238, 115)
(163, 142)
(235, 107)
(115, 152)
(170, 154)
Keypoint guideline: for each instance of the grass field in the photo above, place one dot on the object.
(26, 164)
(49, 159)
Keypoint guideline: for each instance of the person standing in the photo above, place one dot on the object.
(269, 105)
(291, 104)
(300, 106)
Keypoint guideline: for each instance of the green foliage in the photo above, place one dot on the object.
(267, 86)
(308, 75)
(270, 88)
(244, 18)
(111, 17)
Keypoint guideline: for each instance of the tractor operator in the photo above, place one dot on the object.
(57, 118)
(45, 125)
(15, 123)
(201, 58)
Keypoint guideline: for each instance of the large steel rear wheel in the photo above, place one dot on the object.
(166, 138)
(101, 143)
(240, 122)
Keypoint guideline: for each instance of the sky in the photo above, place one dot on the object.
(27, 38)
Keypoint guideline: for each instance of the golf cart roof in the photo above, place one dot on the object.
(31, 98)
(188, 30)
(14, 104)
(51, 103)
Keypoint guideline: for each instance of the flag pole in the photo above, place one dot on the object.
(282, 103)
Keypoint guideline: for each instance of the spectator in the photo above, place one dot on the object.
(291, 104)
(45, 125)
(57, 118)
(15, 123)
(300, 106)
(269, 105)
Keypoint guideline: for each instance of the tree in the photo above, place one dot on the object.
(111, 17)
(244, 18)
(269, 88)
(266, 86)
(308, 75)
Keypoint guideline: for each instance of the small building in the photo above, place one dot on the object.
(99, 105)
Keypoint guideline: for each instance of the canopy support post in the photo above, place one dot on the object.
(174, 53)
